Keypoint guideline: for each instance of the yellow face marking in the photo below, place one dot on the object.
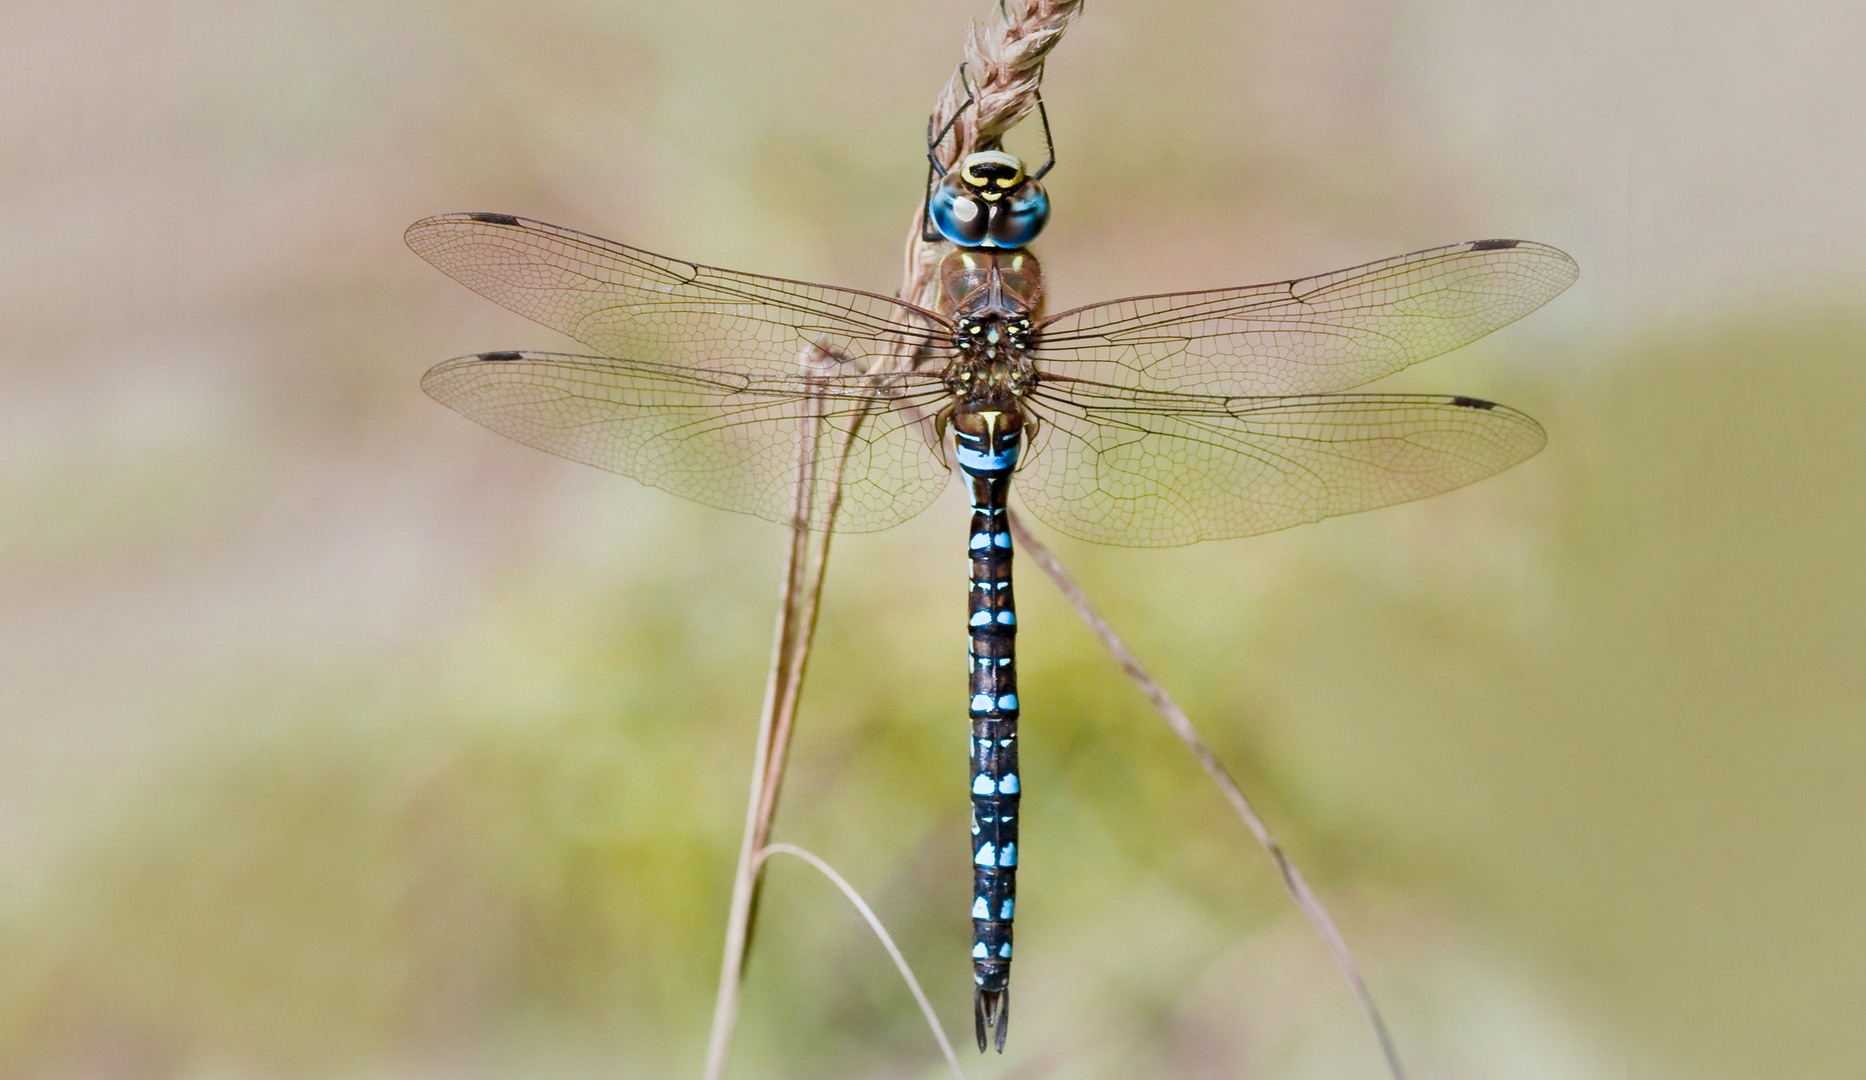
(1010, 169)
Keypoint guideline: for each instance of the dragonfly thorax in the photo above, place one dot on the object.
(990, 296)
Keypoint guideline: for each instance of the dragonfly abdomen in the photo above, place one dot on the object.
(988, 441)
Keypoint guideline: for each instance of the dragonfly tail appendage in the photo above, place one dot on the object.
(992, 1017)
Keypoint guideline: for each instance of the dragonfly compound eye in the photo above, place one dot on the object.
(959, 213)
(1018, 218)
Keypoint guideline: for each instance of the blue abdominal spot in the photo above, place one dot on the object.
(979, 461)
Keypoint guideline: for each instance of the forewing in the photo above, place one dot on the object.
(726, 438)
(625, 302)
(1164, 470)
(1311, 335)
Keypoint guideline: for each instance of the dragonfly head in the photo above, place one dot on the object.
(989, 201)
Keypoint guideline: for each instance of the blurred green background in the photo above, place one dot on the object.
(342, 738)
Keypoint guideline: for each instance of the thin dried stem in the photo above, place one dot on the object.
(1176, 718)
(887, 942)
(807, 569)
(790, 643)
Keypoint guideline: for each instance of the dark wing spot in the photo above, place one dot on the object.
(1474, 403)
(508, 357)
(1493, 245)
(507, 219)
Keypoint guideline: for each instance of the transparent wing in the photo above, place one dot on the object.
(1311, 335)
(622, 301)
(723, 437)
(1157, 470)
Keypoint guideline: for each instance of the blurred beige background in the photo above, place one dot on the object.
(339, 737)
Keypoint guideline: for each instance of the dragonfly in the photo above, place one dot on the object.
(1148, 421)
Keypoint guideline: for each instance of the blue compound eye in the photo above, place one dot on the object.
(984, 205)
(960, 214)
(1018, 219)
